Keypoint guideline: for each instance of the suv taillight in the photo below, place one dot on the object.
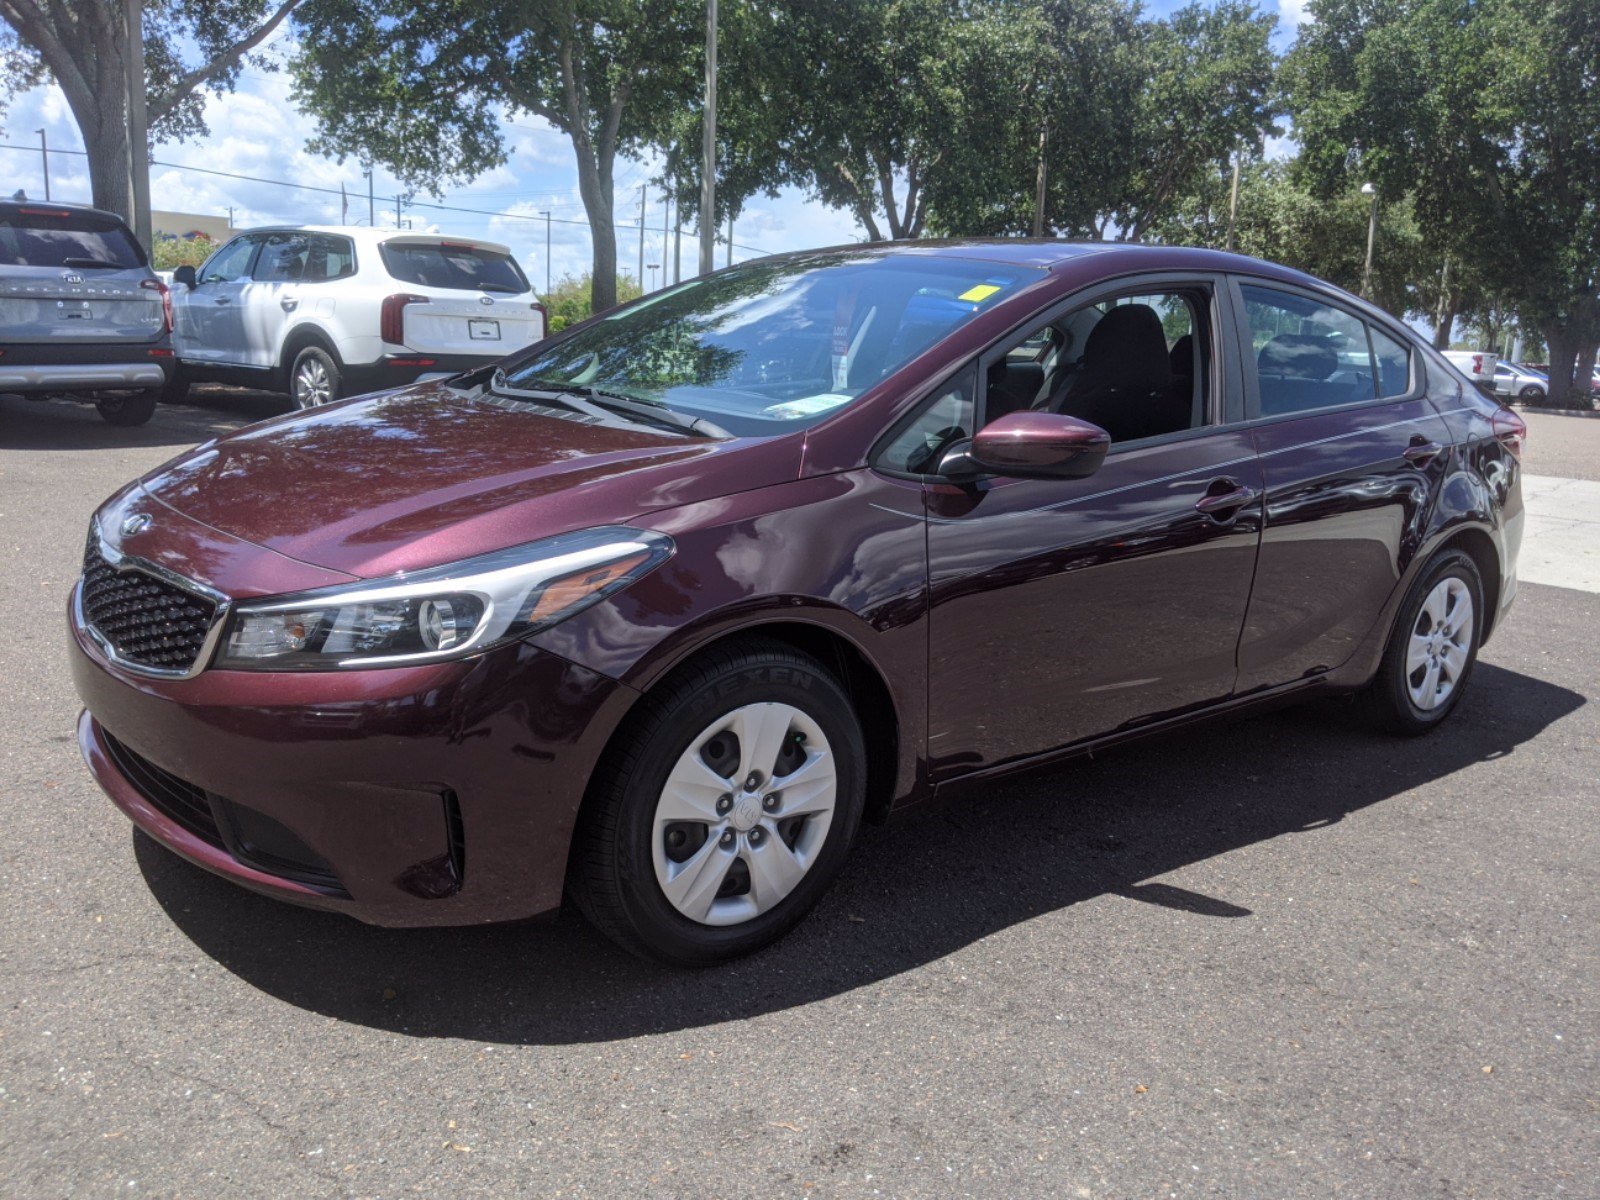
(391, 322)
(155, 285)
(1510, 431)
(544, 315)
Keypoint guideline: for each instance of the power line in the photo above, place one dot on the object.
(326, 191)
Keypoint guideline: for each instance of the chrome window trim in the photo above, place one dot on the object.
(120, 562)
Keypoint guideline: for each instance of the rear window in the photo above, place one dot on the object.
(453, 265)
(46, 237)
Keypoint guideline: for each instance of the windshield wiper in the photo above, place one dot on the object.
(498, 287)
(587, 396)
(92, 264)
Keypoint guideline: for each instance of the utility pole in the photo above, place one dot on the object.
(372, 211)
(666, 221)
(1233, 200)
(642, 193)
(677, 247)
(546, 217)
(230, 216)
(44, 153)
(138, 125)
(1039, 181)
(1372, 232)
(399, 206)
(708, 149)
(729, 263)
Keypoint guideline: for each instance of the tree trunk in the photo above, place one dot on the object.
(1563, 356)
(103, 121)
(1583, 376)
(1446, 325)
(594, 186)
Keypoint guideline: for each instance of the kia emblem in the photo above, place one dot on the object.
(135, 523)
(69, 277)
(485, 299)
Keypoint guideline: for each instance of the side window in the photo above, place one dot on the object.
(1137, 366)
(230, 263)
(330, 257)
(1394, 364)
(283, 258)
(941, 422)
(1308, 354)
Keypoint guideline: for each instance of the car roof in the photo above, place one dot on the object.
(1054, 254)
(10, 205)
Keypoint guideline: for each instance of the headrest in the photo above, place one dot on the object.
(1298, 356)
(1129, 344)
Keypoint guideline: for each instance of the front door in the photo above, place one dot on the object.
(209, 318)
(1066, 609)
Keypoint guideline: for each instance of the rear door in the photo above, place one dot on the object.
(475, 298)
(74, 276)
(1352, 454)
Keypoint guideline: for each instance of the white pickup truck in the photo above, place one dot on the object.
(321, 312)
(1476, 365)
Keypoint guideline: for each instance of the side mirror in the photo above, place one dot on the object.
(184, 275)
(1037, 445)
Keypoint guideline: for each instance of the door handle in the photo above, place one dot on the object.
(1420, 453)
(1224, 506)
(222, 300)
(289, 303)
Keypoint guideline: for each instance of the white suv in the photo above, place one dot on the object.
(325, 311)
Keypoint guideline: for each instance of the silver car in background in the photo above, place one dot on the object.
(81, 313)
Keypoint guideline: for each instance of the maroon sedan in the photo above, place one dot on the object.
(658, 611)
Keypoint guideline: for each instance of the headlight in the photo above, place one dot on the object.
(443, 612)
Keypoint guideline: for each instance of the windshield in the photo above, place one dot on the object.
(453, 265)
(775, 346)
(46, 237)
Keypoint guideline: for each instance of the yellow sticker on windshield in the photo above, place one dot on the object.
(982, 292)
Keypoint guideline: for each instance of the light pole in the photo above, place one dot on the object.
(44, 153)
(651, 267)
(546, 217)
(1372, 232)
(708, 148)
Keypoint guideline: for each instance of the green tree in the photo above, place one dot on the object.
(1486, 114)
(1209, 90)
(169, 253)
(423, 87)
(190, 46)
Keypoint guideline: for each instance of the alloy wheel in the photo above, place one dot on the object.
(744, 814)
(311, 383)
(1440, 646)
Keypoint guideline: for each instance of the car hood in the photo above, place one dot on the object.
(426, 475)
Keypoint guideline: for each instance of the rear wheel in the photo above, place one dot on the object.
(1433, 647)
(723, 812)
(133, 408)
(314, 378)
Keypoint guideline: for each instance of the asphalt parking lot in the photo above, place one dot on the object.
(1276, 957)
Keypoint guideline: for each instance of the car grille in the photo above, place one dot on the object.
(146, 620)
(176, 799)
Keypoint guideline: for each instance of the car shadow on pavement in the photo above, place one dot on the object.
(912, 892)
(75, 425)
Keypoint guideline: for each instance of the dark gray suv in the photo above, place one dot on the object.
(81, 313)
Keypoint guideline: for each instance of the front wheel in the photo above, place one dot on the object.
(314, 378)
(1432, 649)
(1532, 394)
(723, 812)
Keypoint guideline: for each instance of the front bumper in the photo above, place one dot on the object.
(438, 795)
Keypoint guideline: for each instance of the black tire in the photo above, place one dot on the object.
(612, 875)
(1532, 394)
(176, 390)
(304, 370)
(1389, 700)
(126, 411)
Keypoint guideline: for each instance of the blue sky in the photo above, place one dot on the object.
(258, 131)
